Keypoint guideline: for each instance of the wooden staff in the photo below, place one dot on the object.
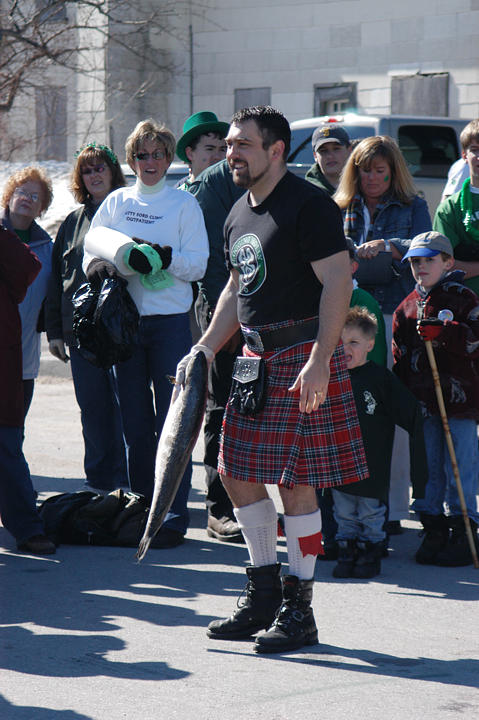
(450, 446)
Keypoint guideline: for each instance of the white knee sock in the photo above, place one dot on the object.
(259, 524)
(303, 539)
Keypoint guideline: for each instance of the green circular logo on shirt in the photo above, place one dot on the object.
(248, 258)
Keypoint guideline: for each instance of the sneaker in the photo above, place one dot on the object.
(38, 545)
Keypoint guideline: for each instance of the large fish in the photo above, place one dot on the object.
(177, 440)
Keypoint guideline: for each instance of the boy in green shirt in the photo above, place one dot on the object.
(458, 216)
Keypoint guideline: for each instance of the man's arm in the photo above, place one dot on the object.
(224, 322)
(334, 273)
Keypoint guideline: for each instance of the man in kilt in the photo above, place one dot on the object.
(287, 257)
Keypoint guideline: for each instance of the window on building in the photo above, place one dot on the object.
(334, 98)
(247, 97)
(51, 10)
(420, 94)
(429, 150)
(51, 123)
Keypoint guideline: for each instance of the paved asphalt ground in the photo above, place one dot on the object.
(88, 634)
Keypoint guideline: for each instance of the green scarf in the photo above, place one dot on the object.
(465, 203)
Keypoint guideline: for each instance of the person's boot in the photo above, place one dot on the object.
(436, 534)
(457, 552)
(368, 563)
(263, 598)
(294, 625)
(346, 559)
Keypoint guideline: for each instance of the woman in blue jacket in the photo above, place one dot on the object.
(26, 196)
(382, 213)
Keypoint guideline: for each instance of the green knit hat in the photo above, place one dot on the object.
(199, 124)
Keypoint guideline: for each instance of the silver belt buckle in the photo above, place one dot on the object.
(253, 340)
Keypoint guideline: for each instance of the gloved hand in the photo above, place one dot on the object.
(430, 329)
(139, 262)
(99, 270)
(183, 364)
(164, 251)
(57, 348)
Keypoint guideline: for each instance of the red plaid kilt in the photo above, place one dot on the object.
(284, 446)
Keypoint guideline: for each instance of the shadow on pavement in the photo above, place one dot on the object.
(368, 662)
(22, 712)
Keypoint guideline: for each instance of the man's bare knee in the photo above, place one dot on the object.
(299, 500)
(243, 493)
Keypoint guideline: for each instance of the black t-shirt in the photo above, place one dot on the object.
(272, 247)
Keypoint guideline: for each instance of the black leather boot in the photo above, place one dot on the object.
(457, 552)
(436, 534)
(368, 564)
(346, 559)
(294, 625)
(263, 598)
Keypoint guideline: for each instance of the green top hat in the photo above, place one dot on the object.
(199, 124)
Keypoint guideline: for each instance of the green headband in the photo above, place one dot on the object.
(96, 146)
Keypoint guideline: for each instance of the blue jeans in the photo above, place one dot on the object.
(358, 517)
(17, 497)
(162, 341)
(105, 457)
(441, 486)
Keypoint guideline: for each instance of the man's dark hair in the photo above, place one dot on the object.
(195, 141)
(271, 123)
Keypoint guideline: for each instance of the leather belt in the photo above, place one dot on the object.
(268, 340)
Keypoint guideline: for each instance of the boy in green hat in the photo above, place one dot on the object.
(202, 144)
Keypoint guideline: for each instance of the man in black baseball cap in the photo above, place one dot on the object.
(331, 149)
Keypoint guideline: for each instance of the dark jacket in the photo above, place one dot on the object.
(392, 220)
(67, 274)
(216, 193)
(383, 402)
(315, 176)
(19, 267)
(456, 349)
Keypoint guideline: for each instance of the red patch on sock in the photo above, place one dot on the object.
(311, 545)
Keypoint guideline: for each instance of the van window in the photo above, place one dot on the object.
(429, 150)
(301, 150)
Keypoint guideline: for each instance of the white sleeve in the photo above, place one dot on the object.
(190, 255)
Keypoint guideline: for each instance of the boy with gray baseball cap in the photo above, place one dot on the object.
(442, 310)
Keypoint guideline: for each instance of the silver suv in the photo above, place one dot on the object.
(429, 144)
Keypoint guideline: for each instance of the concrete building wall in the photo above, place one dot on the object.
(293, 46)
(288, 47)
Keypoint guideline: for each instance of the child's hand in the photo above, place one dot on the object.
(430, 329)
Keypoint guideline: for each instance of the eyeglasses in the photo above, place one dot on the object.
(89, 169)
(156, 155)
(19, 192)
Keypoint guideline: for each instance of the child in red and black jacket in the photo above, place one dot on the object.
(443, 310)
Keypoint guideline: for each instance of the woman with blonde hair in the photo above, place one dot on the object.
(382, 213)
(27, 195)
(167, 225)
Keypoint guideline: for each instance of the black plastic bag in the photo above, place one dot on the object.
(105, 322)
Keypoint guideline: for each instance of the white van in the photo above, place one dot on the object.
(429, 144)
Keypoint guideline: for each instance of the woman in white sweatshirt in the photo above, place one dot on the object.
(172, 252)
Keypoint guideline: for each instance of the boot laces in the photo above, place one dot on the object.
(243, 597)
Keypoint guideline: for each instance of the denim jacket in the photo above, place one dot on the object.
(395, 221)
